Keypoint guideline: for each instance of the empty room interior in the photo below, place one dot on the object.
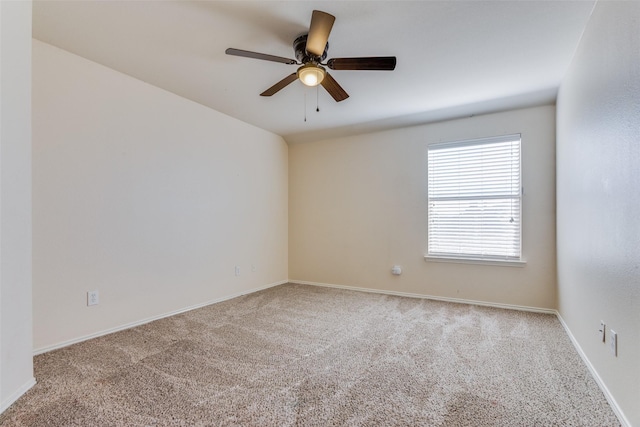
(268, 213)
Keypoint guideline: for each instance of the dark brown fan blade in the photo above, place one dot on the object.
(256, 55)
(280, 85)
(334, 89)
(321, 24)
(382, 63)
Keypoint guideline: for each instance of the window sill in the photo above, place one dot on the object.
(481, 261)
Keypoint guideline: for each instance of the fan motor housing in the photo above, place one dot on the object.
(300, 48)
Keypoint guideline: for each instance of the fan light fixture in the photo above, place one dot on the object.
(311, 74)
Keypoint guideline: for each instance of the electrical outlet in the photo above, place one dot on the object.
(613, 342)
(601, 331)
(93, 298)
(237, 270)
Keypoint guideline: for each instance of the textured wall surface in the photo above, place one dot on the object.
(358, 205)
(598, 190)
(16, 367)
(149, 198)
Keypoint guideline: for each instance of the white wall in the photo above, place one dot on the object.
(16, 368)
(148, 198)
(599, 197)
(357, 206)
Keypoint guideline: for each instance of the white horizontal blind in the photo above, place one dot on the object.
(474, 194)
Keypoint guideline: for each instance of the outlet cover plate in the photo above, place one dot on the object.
(93, 298)
(613, 342)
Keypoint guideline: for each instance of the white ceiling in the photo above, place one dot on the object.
(455, 58)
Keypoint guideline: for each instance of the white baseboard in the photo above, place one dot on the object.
(150, 319)
(607, 394)
(432, 297)
(16, 395)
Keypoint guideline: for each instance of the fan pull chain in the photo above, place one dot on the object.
(305, 106)
(317, 99)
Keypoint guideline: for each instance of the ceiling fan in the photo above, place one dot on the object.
(310, 50)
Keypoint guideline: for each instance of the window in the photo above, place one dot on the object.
(474, 197)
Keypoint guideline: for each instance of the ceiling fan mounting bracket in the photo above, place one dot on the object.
(304, 57)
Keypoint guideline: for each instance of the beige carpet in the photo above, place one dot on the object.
(302, 355)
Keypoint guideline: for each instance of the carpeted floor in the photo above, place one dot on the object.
(311, 356)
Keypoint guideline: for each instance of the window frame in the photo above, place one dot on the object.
(470, 258)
